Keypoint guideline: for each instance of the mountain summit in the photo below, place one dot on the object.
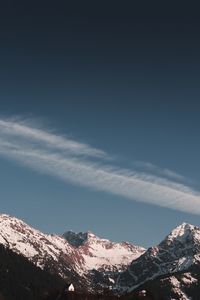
(78, 239)
(184, 233)
(176, 253)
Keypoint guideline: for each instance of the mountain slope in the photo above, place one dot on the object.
(102, 254)
(22, 280)
(183, 285)
(179, 251)
(94, 261)
(49, 252)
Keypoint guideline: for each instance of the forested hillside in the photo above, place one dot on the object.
(21, 280)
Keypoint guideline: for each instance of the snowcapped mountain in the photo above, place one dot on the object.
(78, 258)
(101, 254)
(178, 253)
(170, 270)
(49, 252)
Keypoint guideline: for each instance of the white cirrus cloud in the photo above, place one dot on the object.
(162, 172)
(83, 165)
(20, 130)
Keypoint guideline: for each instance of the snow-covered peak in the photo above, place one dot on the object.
(176, 253)
(10, 219)
(33, 244)
(101, 253)
(184, 233)
(182, 230)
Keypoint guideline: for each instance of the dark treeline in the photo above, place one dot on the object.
(79, 296)
(22, 280)
(56, 295)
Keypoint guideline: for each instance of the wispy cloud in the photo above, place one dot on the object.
(11, 129)
(162, 172)
(74, 162)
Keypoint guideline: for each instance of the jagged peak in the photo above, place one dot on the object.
(81, 232)
(5, 216)
(182, 228)
(11, 219)
(183, 232)
(12, 225)
(80, 238)
(186, 225)
(90, 234)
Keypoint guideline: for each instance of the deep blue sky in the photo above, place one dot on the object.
(122, 78)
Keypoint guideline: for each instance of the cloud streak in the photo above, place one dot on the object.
(11, 129)
(83, 165)
(161, 172)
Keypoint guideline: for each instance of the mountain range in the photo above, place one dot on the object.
(84, 259)
(170, 270)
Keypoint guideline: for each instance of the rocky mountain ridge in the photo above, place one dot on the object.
(177, 255)
(170, 270)
(82, 263)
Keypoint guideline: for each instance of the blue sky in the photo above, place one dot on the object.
(99, 120)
